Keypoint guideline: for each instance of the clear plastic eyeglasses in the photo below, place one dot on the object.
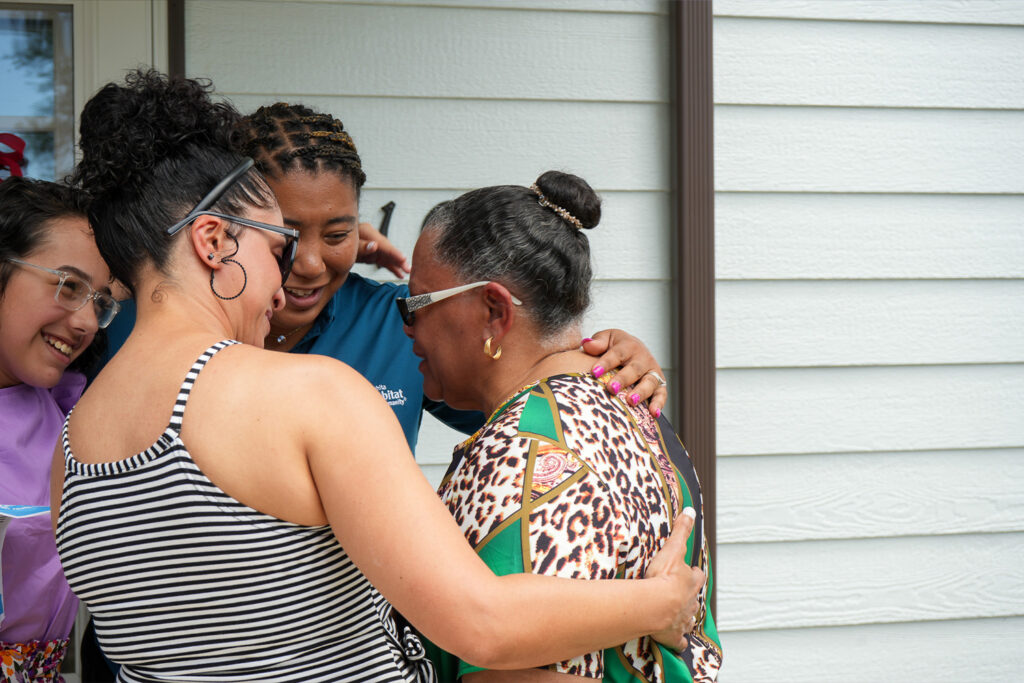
(407, 306)
(73, 292)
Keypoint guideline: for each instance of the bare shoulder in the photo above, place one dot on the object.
(299, 373)
(302, 386)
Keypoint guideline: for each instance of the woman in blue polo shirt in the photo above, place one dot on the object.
(313, 167)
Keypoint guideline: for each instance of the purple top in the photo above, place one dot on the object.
(38, 604)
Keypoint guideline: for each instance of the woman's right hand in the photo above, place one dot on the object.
(685, 581)
(378, 250)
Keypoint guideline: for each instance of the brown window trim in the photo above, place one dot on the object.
(694, 209)
(176, 37)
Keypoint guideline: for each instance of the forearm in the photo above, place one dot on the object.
(534, 620)
(520, 676)
(400, 535)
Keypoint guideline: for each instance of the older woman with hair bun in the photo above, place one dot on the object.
(564, 479)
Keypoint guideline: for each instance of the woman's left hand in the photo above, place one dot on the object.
(638, 373)
(378, 250)
(670, 563)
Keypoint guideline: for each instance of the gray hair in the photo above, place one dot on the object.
(504, 233)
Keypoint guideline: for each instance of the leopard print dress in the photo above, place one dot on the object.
(568, 480)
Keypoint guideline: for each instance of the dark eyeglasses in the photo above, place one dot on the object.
(291, 237)
(73, 292)
(291, 243)
(407, 306)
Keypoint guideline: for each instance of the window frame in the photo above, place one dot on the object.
(61, 123)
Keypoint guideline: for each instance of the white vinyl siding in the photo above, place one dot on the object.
(870, 266)
(443, 97)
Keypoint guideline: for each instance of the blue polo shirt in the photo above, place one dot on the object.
(361, 327)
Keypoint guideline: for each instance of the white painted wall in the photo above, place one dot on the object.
(443, 97)
(870, 265)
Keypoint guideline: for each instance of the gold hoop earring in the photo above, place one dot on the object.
(496, 354)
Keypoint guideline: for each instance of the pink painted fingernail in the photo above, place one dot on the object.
(656, 411)
(586, 339)
(597, 371)
(634, 398)
(615, 387)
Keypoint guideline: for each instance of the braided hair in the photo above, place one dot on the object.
(284, 137)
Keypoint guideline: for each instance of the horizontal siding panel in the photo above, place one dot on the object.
(814, 149)
(933, 11)
(415, 51)
(444, 144)
(631, 242)
(939, 652)
(830, 323)
(621, 6)
(869, 495)
(434, 447)
(796, 236)
(793, 62)
(642, 308)
(829, 410)
(870, 581)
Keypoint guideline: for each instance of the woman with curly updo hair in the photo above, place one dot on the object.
(224, 508)
(311, 163)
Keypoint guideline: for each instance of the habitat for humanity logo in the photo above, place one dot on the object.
(394, 398)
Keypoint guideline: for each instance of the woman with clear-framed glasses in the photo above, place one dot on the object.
(224, 508)
(54, 298)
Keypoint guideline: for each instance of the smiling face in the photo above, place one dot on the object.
(38, 338)
(324, 208)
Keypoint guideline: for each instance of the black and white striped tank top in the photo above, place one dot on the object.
(188, 584)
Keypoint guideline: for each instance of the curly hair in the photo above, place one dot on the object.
(504, 233)
(283, 137)
(151, 148)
